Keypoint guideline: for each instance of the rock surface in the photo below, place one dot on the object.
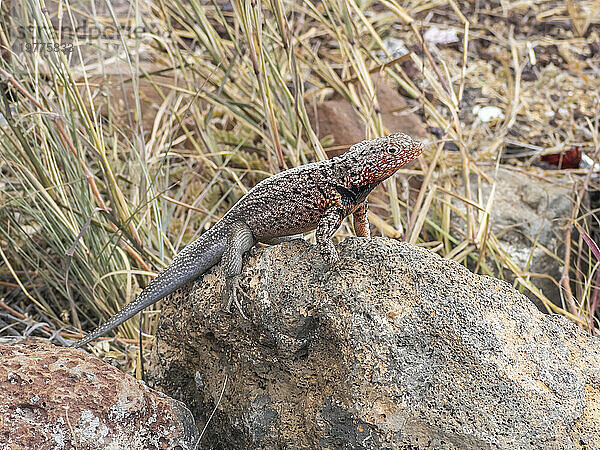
(393, 348)
(61, 398)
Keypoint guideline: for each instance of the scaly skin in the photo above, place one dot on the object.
(314, 196)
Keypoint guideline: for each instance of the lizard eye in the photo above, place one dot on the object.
(392, 149)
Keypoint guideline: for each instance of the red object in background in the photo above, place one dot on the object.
(567, 160)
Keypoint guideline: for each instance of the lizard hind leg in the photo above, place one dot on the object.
(239, 240)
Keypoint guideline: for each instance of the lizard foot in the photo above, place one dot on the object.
(330, 256)
(230, 293)
(332, 260)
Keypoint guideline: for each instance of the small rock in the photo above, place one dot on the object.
(62, 398)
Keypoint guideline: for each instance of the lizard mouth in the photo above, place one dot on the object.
(419, 148)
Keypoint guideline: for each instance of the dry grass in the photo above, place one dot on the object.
(98, 192)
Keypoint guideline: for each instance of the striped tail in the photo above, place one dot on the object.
(195, 259)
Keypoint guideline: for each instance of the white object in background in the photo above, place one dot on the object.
(587, 162)
(488, 113)
(437, 36)
(395, 47)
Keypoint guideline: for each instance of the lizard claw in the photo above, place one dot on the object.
(232, 287)
(329, 253)
(332, 260)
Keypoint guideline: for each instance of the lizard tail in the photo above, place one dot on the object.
(195, 259)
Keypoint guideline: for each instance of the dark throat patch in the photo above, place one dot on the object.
(356, 194)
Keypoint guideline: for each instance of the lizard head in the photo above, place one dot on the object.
(377, 159)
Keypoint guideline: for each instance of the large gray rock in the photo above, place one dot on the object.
(61, 398)
(392, 348)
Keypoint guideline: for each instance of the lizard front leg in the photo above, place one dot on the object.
(329, 223)
(239, 240)
(361, 222)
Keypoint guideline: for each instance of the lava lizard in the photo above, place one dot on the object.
(317, 195)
